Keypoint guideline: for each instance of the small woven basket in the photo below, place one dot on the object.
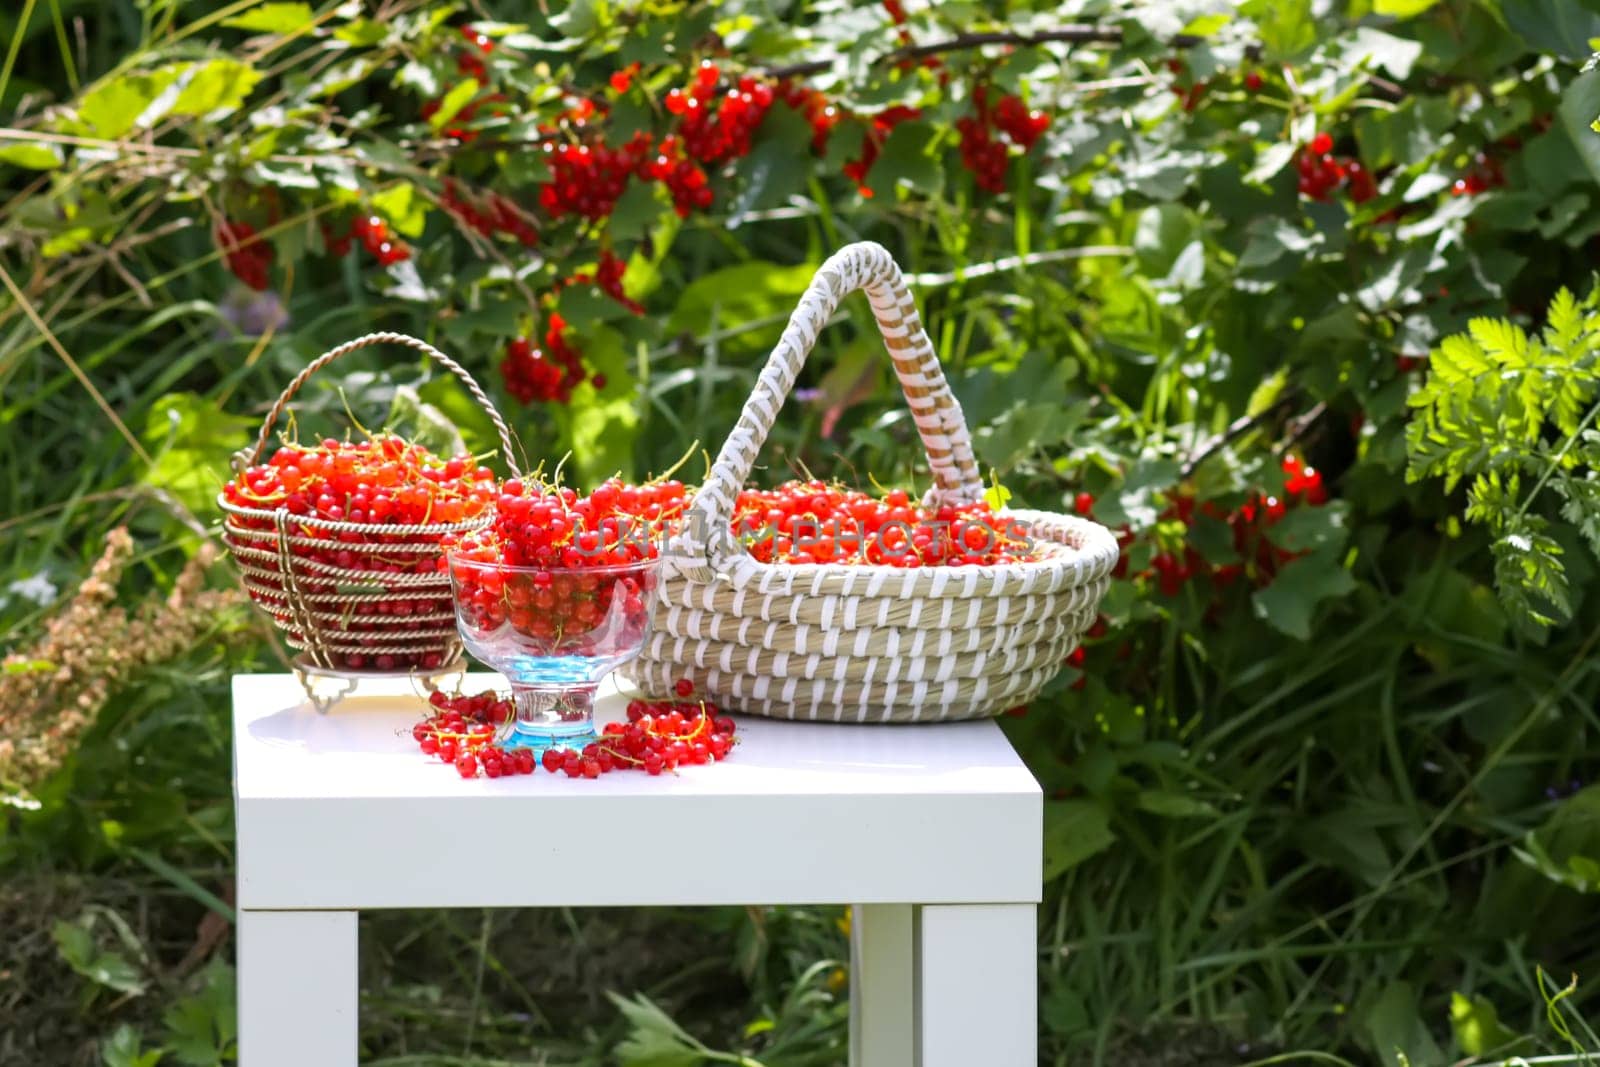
(853, 643)
(346, 620)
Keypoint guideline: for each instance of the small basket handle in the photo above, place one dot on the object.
(248, 456)
(940, 423)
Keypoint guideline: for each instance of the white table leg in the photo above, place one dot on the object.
(298, 989)
(882, 957)
(977, 985)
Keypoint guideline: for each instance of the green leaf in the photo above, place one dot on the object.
(1398, 1032)
(1206, 25)
(122, 1049)
(423, 424)
(1270, 162)
(31, 155)
(1074, 830)
(1562, 27)
(362, 33)
(1286, 27)
(1394, 55)
(215, 87)
(450, 105)
(107, 968)
(907, 159)
(1476, 1025)
(1311, 529)
(996, 496)
(739, 294)
(406, 211)
(602, 425)
(1173, 805)
(1300, 586)
(1402, 9)
(636, 210)
(272, 18)
(654, 1039)
(193, 441)
(1580, 103)
(113, 107)
(201, 1028)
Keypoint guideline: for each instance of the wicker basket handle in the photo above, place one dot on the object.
(943, 429)
(248, 456)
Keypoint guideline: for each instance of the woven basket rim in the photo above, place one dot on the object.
(1053, 556)
(388, 529)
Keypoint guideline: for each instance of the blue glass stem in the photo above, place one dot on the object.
(549, 717)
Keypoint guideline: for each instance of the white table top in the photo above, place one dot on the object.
(332, 808)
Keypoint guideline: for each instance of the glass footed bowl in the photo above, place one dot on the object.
(555, 634)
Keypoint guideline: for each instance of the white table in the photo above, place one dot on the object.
(931, 833)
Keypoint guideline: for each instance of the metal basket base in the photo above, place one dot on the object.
(325, 687)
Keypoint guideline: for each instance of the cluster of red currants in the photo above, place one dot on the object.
(385, 247)
(488, 213)
(588, 177)
(568, 574)
(986, 155)
(380, 480)
(382, 483)
(813, 522)
(607, 275)
(1322, 172)
(546, 374)
(539, 526)
(713, 132)
(685, 179)
(659, 736)
(247, 255)
(471, 63)
(1484, 174)
(1248, 524)
(813, 106)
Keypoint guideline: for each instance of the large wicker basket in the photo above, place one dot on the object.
(349, 620)
(867, 643)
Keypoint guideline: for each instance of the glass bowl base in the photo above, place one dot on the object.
(541, 736)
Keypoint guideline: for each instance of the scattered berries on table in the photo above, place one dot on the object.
(658, 737)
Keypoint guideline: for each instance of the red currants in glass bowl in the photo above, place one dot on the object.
(557, 593)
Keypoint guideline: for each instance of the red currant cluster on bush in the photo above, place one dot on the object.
(660, 735)
(1190, 92)
(1322, 172)
(1484, 174)
(246, 255)
(546, 374)
(607, 275)
(488, 213)
(471, 62)
(814, 522)
(713, 128)
(382, 483)
(1248, 523)
(985, 155)
(587, 178)
(814, 107)
(684, 178)
(385, 247)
